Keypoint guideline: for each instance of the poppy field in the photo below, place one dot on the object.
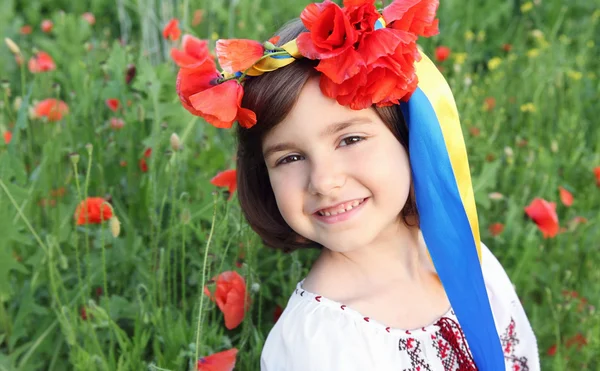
(122, 244)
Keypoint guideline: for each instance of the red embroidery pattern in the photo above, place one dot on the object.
(452, 347)
(509, 341)
(412, 347)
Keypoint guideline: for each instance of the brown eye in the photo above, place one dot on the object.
(352, 140)
(289, 159)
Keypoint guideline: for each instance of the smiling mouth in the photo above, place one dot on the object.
(340, 210)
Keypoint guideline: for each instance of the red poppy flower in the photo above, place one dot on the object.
(229, 295)
(93, 210)
(415, 16)
(171, 30)
(47, 25)
(89, 18)
(220, 105)
(83, 314)
(227, 178)
(237, 55)
(130, 73)
(496, 229)
(41, 62)
(222, 361)
(116, 123)
(578, 340)
(552, 350)
(597, 173)
(198, 16)
(26, 30)
(475, 131)
(7, 137)
(543, 213)
(113, 104)
(565, 196)
(506, 47)
(442, 53)
(51, 108)
(143, 162)
(199, 93)
(489, 103)
(330, 32)
(274, 40)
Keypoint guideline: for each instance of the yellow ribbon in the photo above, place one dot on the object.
(269, 64)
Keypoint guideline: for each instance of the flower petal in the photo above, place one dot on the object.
(219, 104)
(341, 67)
(238, 54)
(415, 16)
(222, 361)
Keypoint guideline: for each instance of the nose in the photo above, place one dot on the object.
(325, 177)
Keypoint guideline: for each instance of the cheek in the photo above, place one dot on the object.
(286, 189)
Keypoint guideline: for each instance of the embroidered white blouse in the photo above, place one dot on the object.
(315, 333)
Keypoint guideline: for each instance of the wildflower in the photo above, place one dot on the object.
(533, 53)
(143, 163)
(113, 104)
(12, 46)
(115, 226)
(597, 174)
(51, 108)
(227, 178)
(469, 35)
(496, 196)
(528, 107)
(117, 123)
(489, 103)
(198, 94)
(198, 16)
(552, 350)
(574, 75)
(506, 47)
(84, 314)
(171, 30)
(496, 229)
(494, 63)
(565, 197)
(222, 361)
(26, 29)
(543, 213)
(230, 294)
(526, 7)
(59, 192)
(47, 25)
(130, 73)
(481, 35)
(175, 142)
(459, 58)
(89, 18)
(274, 40)
(41, 62)
(7, 137)
(578, 340)
(237, 54)
(442, 53)
(474, 131)
(93, 210)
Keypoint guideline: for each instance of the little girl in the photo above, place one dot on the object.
(349, 142)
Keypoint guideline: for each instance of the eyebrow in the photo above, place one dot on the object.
(329, 131)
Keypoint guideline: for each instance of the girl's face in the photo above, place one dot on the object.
(326, 155)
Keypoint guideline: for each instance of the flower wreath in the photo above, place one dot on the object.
(365, 58)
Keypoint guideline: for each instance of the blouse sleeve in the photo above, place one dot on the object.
(516, 334)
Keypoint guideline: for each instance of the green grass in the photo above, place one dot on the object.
(541, 134)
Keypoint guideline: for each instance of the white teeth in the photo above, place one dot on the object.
(341, 210)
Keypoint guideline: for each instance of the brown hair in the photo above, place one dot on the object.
(272, 96)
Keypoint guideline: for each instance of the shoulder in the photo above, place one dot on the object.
(312, 334)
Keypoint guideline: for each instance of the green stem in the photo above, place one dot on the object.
(212, 228)
(77, 257)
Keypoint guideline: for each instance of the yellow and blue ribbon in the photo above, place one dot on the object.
(447, 213)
